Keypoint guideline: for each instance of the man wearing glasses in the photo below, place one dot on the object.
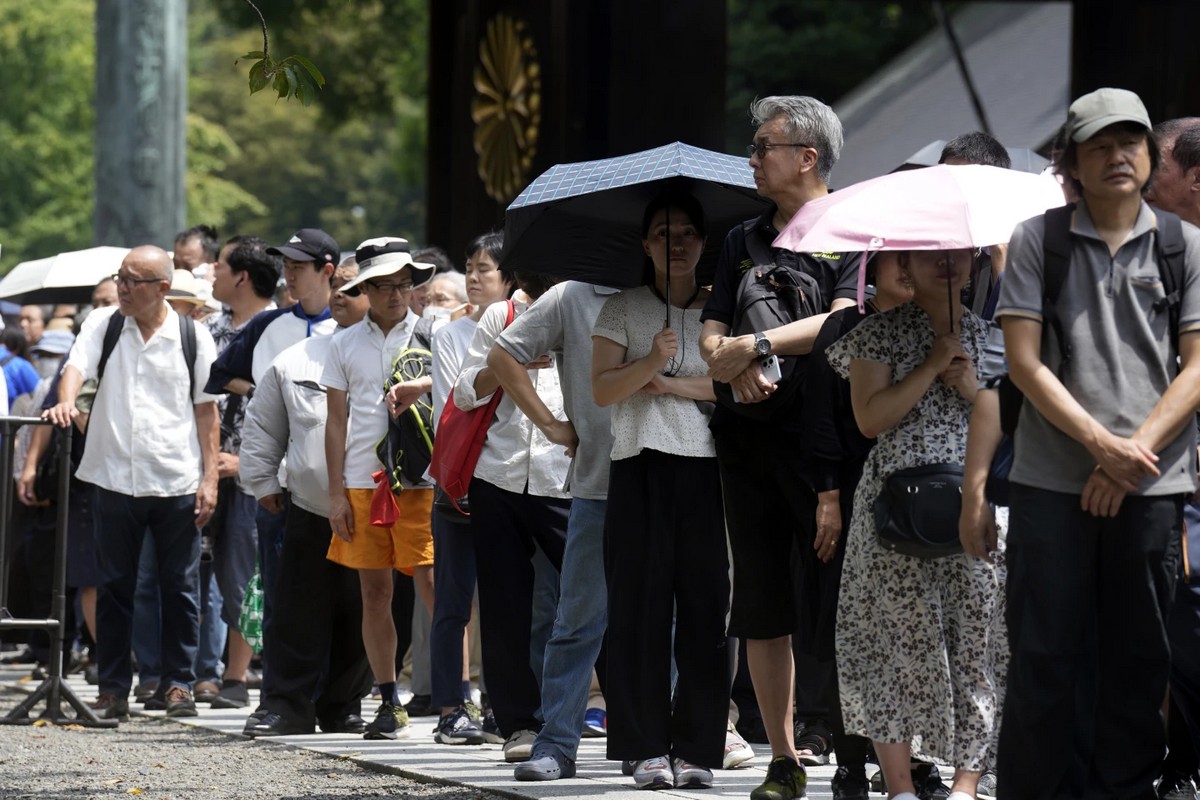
(360, 360)
(769, 505)
(152, 454)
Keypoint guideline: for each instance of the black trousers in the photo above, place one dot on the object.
(319, 670)
(1088, 601)
(506, 527)
(664, 556)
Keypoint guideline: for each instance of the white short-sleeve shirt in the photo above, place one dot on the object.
(360, 360)
(142, 439)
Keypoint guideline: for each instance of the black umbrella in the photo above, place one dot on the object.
(583, 221)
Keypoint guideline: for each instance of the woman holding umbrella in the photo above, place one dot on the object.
(665, 550)
(913, 634)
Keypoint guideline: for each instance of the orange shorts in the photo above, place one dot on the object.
(407, 544)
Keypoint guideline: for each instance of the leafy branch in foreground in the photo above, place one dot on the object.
(294, 76)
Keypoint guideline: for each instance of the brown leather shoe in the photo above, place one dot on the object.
(109, 706)
(205, 691)
(180, 703)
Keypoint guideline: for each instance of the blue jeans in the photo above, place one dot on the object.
(270, 545)
(122, 522)
(213, 631)
(578, 630)
(453, 589)
(147, 622)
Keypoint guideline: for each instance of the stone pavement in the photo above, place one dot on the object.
(418, 757)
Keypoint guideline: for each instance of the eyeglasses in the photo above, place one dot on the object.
(128, 282)
(760, 148)
(388, 288)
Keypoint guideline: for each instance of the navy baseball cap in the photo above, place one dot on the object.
(309, 244)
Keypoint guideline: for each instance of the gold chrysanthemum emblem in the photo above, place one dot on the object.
(507, 108)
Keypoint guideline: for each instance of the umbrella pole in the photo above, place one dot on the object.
(950, 290)
(667, 277)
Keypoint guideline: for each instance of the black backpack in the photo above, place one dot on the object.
(1056, 257)
(770, 294)
(46, 481)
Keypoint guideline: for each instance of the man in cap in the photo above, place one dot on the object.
(152, 454)
(309, 258)
(1105, 453)
(360, 361)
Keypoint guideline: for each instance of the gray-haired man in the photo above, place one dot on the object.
(768, 503)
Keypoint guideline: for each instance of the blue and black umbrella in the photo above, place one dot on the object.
(583, 221)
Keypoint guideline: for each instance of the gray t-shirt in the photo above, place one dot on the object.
(561, 322)
(1121, 356)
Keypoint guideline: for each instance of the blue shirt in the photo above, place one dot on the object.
(19, 375)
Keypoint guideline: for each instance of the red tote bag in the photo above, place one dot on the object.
(459, 439)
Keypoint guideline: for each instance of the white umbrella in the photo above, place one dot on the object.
(64, 278)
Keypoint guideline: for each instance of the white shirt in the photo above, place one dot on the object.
(450, 343)
(360, 361)
(287, 416)
(142, 438)
(516, 455)
(667, 423)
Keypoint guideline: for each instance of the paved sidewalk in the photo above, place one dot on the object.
(418, 757)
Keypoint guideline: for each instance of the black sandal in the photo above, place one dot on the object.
(817, 739)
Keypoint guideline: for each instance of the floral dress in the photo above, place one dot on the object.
(918, 641)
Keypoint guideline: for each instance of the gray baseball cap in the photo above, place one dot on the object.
(1095, 111)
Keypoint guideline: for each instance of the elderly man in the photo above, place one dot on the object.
(1105, 453)
(152, 453)
(769, 506)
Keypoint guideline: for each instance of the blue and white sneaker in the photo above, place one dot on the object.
(595, 723)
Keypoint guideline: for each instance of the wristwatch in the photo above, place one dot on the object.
(762, 345)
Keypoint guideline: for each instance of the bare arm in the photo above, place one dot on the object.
(1126, 460)
(38, 441)
(513, 377)
(341, 519)
(208, 427)
(796, 338)
(68, 389)
(614, 379)
(695, 388)
(239, 386)
(976, 525)
(1176, 409)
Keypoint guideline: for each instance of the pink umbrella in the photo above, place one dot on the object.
(935, 208)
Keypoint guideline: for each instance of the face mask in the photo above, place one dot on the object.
(435, 313)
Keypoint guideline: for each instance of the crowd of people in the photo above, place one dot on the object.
(740, 587)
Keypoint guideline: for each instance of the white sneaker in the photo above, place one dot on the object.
(691, 776)
(519, 746)
(654, 773)
(737, 750)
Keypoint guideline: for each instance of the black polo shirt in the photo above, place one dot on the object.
(836, 273)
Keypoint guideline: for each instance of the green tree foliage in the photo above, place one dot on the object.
(353, 163)
(822, 48)
(47, 59)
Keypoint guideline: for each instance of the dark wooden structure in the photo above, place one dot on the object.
(1146, 46)
(516, 86)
